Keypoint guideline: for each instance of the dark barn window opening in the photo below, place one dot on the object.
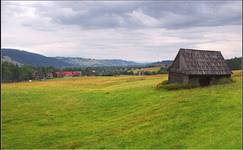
(201, 80)
(204, 81)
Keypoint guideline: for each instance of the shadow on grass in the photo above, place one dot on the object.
(177, 86)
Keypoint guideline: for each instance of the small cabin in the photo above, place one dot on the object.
(198, 66)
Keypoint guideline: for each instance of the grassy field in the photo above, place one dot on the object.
(120, 112)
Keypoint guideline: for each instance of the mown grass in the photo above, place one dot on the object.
(120, 112)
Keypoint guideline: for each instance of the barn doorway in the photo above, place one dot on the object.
(204, 81)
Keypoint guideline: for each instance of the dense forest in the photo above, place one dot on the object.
(234, 63)
(15, 73)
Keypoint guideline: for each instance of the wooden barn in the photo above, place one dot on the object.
(198, 66)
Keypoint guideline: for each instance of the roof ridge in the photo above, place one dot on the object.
(191, 49)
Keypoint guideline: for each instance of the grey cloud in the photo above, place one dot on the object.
(142, 31)
(171, 15)
(157, 14)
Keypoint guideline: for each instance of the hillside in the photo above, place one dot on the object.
(20, 57)
(120, 112)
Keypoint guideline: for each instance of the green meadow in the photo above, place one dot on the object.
(120, 112)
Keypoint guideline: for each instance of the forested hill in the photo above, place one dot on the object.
(20, 57)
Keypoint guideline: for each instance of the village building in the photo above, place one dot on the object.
(71, 73)
(49, 75)
(141, 73)
(198, 66)
(37, 75)
(68, 73)
(76, 73)
(58, 74)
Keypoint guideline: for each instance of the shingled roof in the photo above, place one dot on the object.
(200, 62)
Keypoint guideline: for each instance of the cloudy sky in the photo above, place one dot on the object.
(131, 30)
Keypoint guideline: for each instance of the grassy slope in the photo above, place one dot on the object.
(120, 112)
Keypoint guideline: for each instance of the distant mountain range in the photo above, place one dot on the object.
(21, 57)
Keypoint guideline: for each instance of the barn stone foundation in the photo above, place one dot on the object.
(202, 80)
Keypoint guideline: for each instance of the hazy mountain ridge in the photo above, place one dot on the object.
(21, 57)
(164, 63)
(87, 62)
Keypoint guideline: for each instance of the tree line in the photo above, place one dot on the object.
(15, 73)
(234, 63)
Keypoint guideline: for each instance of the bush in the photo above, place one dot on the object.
(160, 85)
(222, 81)
(175, 86)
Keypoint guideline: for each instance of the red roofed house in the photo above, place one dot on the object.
(71, 73)
(76, 73)
(68, 73)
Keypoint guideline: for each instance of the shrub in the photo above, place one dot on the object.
(222, 81)
(160, 85)
(175, 86)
